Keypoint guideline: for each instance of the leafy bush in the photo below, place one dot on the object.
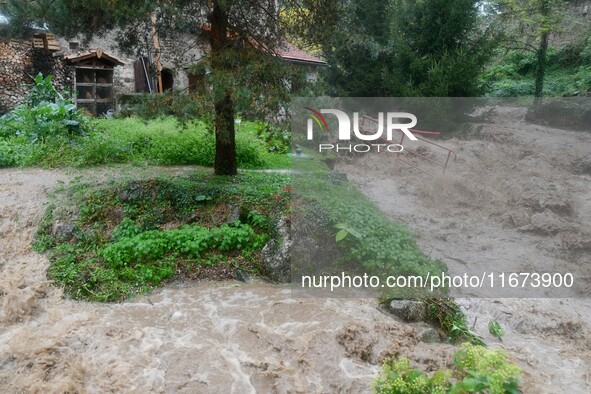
(190, 241)
(476, 370)
(276, 139)
(447, 314)
(46, 113)
(63, 136)
(144, 259)
(7, 154)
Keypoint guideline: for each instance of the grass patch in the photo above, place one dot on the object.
(130, 237)
(157, 142)
(330, 209)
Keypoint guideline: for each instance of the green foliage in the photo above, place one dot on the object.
(258, 220)
(162, 141)
(476, 370)
(440, 46)
(175, 103)
(447, 314)
(133, 236)
(277, 138)
(42, 90)
(524, 22)
(188, 241)
(43, 241)
(357, 49)
(241, 72)
(495, 329)
(139, 261)
(8, 154)
(408, 48)
(484, 370)
(45, 114)
(397, 377)
(344, 231)
(513, 75)
(377, 245)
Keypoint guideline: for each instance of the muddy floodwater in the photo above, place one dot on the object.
(236, 337)
(193, 337)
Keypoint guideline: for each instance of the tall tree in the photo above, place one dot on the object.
(527, 25)
(240, 33)
(440, 47)
(358, 50)
(408, 48)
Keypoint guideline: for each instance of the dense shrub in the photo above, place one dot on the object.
(48, 130)
(568, 72)
(45, 113)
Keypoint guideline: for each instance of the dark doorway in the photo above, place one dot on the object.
(167, 79)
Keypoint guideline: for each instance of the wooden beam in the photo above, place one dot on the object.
(157, 53)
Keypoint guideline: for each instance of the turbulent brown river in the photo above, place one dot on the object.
(235, 337)
(199, 337)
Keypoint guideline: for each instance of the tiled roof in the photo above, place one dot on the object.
(292, 53)
(286, 51)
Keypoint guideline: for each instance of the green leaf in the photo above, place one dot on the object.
(354, 233)
(341, 235)
(473, 385)
(495, 329)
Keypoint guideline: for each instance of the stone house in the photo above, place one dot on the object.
(99, 73)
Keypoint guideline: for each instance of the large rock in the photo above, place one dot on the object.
(63, 231)
(132, 192)
(409, 310)
(277, 252)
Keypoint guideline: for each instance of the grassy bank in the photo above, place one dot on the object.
(109, 242)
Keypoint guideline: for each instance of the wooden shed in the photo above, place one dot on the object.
(95, 80)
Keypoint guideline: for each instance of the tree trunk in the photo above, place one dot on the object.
(225, 136)
(541, 66)
(541, 61)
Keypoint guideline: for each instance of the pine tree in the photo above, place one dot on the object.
(527, 26)
(409, 48)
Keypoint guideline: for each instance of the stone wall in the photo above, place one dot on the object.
(19, 62)
(124, 81)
